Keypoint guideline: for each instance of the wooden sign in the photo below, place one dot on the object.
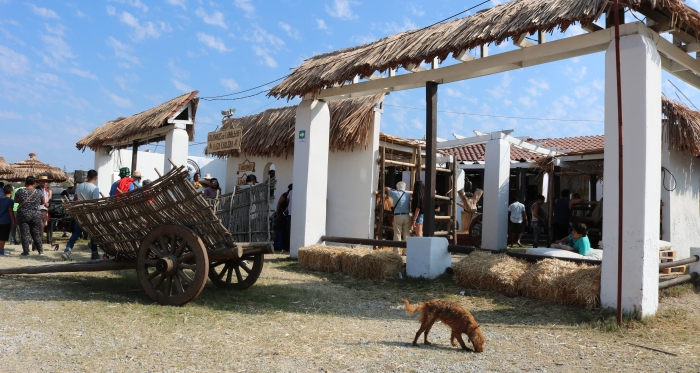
(224, 140)
(240, 181)
(246, 167)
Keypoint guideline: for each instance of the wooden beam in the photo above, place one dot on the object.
(691, 47)
(591, 27)
(94, 266)
(415, 68)
(465, 57)
(521, 41)
(431, 101)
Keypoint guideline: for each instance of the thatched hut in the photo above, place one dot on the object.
(5, 168)
(34, 167)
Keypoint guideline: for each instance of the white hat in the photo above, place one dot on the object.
(207, 177)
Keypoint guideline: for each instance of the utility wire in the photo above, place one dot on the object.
(500, 116)
(212, 98)
(686, 97)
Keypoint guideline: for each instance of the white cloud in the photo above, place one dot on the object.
(453, 93)
(342, 9)
(43, 12)
(507, 102)
(527, 101)
(135, 3)
(416, 11)
(321, 24)
(568, 101)
(363, 39)
(245, 6)
(598, 84)
(229, 84)
(180, 3)
(122, 50)
(111, 10)
(176, 71)
(58, 30)
(264, 54)
(119, 101)
(57, 48)
(125, 81)
(80, 14)
(45, 78)
(291, 32)
(395, 28)
(9, 36)
(215, 19)
(143, 31)
(576, 74)
(10, 115)
(212, 42)
(82, 73)
(537, 87)
(181, 86)
(261, 36)
(503, 88)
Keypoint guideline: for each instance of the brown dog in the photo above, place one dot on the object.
(452, 314)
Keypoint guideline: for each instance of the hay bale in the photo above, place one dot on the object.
(322, 258)
(351, 262)
(485, 271)
(379, 266)
(562, 282)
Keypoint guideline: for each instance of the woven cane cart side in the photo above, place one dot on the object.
(172, 233)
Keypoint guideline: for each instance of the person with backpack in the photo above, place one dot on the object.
(124, 184)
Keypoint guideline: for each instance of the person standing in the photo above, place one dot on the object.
(7, 217)
(213, 190)
(196, 181)
(29, 216)
(83, 192)
(287, 234)
(281, 221)
(539, 219)
(15, 228)
(402, 220)
(43, 181)
(137, 179)
(417, 207)
(124, 184)
(518, 221)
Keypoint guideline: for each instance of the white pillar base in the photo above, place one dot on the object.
(427, 257)
(695, 267)
(641, 114)
(176, 148)
(311, 140)
(104, 168)
(496, 184)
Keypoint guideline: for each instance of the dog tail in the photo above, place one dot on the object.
(412, 309)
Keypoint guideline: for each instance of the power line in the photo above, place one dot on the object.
(499, 116)
(216, 98)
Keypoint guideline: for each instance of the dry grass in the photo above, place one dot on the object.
(145, 122)
(486, 271)
(271, 133)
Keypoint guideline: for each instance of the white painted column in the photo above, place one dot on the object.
(641, 115)
(104, 168)
(310, 174)
(460, 186)
(176, 148)
(496, 182)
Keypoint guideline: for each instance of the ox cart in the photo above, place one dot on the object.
(173, 237)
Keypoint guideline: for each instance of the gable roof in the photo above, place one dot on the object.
(475, 153)
(494, 25)
(144, 123)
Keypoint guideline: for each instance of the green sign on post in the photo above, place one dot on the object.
(302, 135)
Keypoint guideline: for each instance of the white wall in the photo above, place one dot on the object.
(283, 172)
(681, 211)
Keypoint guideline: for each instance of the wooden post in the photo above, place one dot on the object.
(134, 155)
(522, 183)
(382, 176)
(454, 201)
(431, 90)
(551, 196)
(593, 186)
(419, 164)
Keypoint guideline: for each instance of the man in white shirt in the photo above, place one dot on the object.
(517, 221)
(84, 191)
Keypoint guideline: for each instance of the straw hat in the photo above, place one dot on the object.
(136, 174)
(43, 178)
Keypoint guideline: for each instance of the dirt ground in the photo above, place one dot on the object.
(294, 320)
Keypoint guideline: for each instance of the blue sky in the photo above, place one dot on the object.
(67, 67)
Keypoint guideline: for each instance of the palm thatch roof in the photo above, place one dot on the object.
(141, 125)
(271, 133)
(681, 127)
(34, 167)
(495, 25)
(5, 167)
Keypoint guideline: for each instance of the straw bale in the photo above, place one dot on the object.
(271, 133)
(562, 282)
(351, 262)
(322, 258)
(486, 271)
(142, 124)
(379, 266)
(495, 25)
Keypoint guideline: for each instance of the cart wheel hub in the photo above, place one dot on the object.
(166, 265)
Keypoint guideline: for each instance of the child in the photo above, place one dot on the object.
(577, 241)
(7, 217)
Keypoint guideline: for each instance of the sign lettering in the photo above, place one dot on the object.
(224, 140)
(246, 167)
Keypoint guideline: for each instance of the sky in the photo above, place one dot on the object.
(67, 67)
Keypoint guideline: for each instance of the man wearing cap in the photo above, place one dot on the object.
(124, 184)
(43, 180)
(137, 179)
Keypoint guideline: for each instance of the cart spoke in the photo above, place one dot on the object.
(159, 283)
(220, 275)
(244, 265)
(188, 266)
(238, 274)
(156, 250)
(186, 257)
(150, 262)
(169, 285)
(184, 277)
(216, 264)
(163, 244)
(229, 274)
(180, 248)
(178, 285)
(152, 275)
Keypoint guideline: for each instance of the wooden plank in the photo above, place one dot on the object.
(95, 266)
(431, 97)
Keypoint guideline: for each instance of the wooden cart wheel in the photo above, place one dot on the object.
(172, 265)
(236, 274)
(475, 231)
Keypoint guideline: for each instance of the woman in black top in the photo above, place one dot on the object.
(417, 207)
(29, 216)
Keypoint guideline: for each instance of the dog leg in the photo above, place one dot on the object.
(452, 339)
(415, 340)
(461, 342)
(428, 326)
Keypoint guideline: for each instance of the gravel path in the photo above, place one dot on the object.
(298, 321)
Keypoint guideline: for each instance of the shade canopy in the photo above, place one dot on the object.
(5, 168)
(34, 167)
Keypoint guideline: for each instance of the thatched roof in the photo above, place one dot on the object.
(271, 133)
(397, 140)
(143, 124)
(34, 167)
(5, 167)
(494, 25)
(681, 127)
